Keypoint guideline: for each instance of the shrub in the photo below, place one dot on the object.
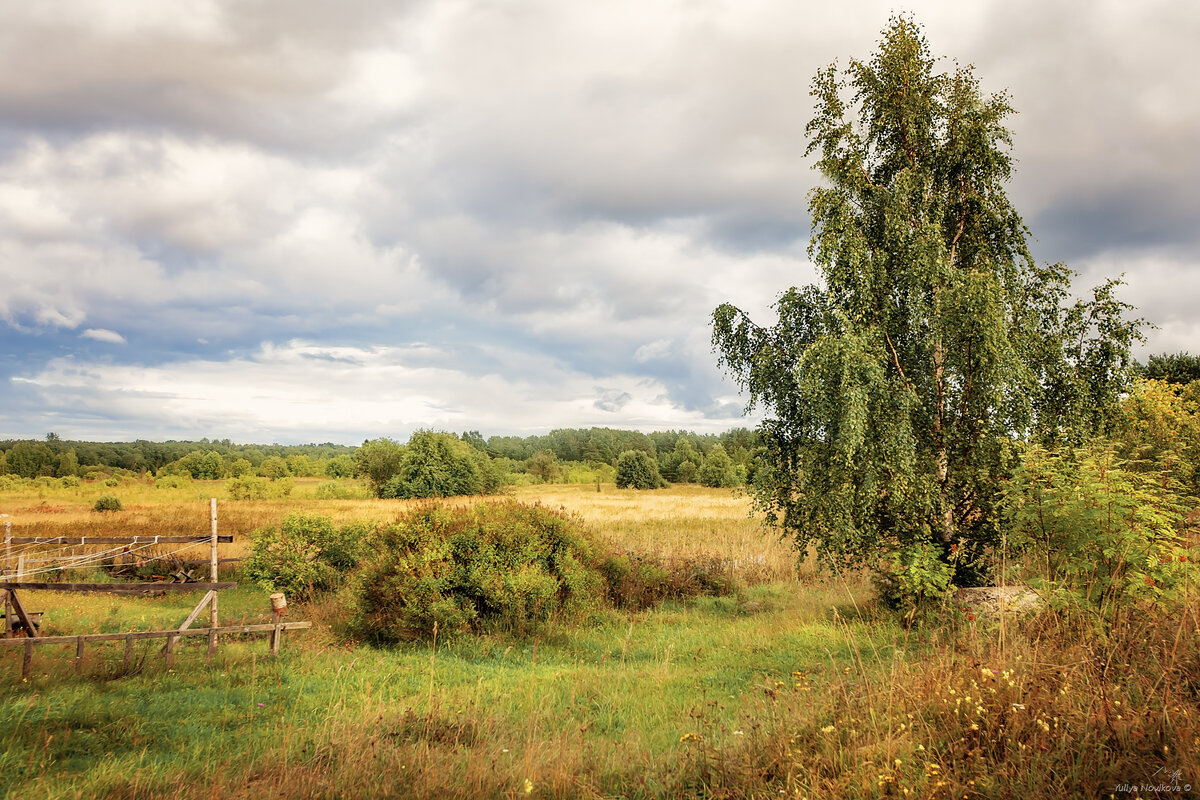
(107, 502)
(717, 470)
(635, 581)
(913, 578)
(637, 469)
(332, 490)
(1103, 537)
(171, 482)
(305, 555)
(378, 461)
(70, 481)
(252, 487)
(12, 482)
(111, 481)
(493, 566)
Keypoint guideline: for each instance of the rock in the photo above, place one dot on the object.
(994, 599)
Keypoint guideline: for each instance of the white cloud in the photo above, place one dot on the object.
(300, 391)
(103, 335)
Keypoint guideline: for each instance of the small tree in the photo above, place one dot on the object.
(637, 469)
(718, 470)
(1177, 368)
(441, 465)
(378, 461)
(274, 468)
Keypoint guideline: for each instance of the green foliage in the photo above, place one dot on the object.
(895, 388)
(687, 472)
(378, 461)
(305, 555)
(915, 577)
(68, 464)
(718, 470)
(171, 482)
(252, 487)
(8, 482)
(638, 581)
(107, 502)
(1175, 368)
(70, 481)
(493, 566)
(29, 459)
(637, 469)
(441, 465)
(1103, 537)
(341, 466)
(203, 465)
(544, 466)
(333, 490)
(274, 468)
(240, 467)
(1158, 431)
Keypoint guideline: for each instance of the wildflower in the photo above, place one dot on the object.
(527, 786)
(827, 729)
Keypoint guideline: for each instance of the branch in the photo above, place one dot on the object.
(896, 361)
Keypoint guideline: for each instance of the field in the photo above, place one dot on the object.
(797, 685)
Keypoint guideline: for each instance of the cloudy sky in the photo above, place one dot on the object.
(299, 221)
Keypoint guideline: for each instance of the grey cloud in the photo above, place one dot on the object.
(611, 400)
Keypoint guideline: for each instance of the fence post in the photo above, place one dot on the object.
(212, 576)
(7, 567)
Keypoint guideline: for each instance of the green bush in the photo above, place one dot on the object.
(252, 487)
(12, 482)
(107, 502)
(718, 470)
(1105, 538)
(305, 555)
(112, 481)
(636, 581)
(333, 490)
(441, 465)
(637, 469)
(171, 482)
(494, 566)
(914, 578)
(70, 481)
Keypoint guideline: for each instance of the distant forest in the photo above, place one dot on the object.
(546, 457)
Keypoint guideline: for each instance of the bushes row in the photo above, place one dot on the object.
(498, 566)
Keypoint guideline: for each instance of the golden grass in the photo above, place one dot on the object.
(685, 521)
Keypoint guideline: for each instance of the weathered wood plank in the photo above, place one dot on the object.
(83, 540)
(30, 629)
(117, 588)
(129, 636)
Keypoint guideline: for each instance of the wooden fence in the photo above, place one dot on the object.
(16, 617)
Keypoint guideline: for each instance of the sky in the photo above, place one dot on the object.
(299, 221)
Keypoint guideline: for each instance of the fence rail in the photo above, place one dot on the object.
(80, 540)
(276, 630)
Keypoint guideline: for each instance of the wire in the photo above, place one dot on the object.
(95, 558)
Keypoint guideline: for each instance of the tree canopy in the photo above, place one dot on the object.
(895, 388)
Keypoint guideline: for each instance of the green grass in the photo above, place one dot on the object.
(613, 700)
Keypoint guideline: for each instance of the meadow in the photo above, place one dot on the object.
(798, 684)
